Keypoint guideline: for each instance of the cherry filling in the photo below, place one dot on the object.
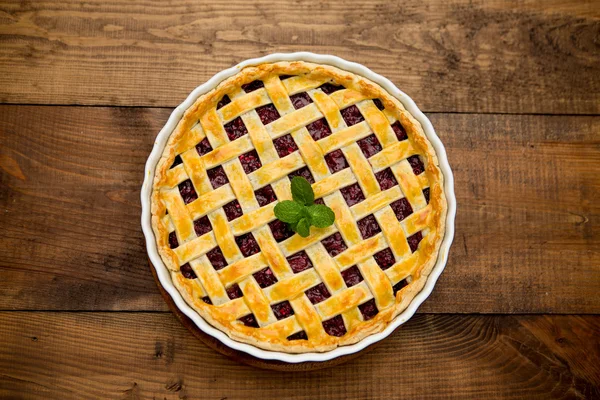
(250, 161)
(234, 292)
(282, 310)
(177, 161)
(298, 336)
(414, 240)
(300, 100)
(303, 172)
(247, 244)
(317, 294)
(379, 104)
(282, 77)
(352, 276)
(265, 277)
(224, 101)
(202, 226)
(249, 320)
(187, 191)
(173, 242)
(398, 286)
(368, 309)
(399, 131)
(352, 194)
(285, 145)
(187, 271)
(319, 129)
(267, 114)
(280, 230)
(416, 164)
(320, 201)
(207, 300)
(336, 161)
(233, 210)
(426, 194)
(217, 177)
(235, 129)
(386, 179)
(265, 195)
(216, 258)
(252, 86)
(203, 147)
(299, 262)
(369, 145)
(329, 88)
(368, 226)
(334, 244)
(352, 115)
(335, 326)
(385, 258)
(401, 208)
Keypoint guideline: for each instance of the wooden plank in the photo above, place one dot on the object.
(526, 240)
(478, 56)
(140, 355)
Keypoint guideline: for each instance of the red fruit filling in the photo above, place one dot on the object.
(216, 258)
(334, 244)
(401, 208)
(352, 276)
(234, 292)
(398, 286)
(335, 326)
(300, 100)
(329, 88)
(233, 210)
(414, 240)
(235, 129)
(247, 244)
(187, 191)
(173, 242)
(370, 145)
(352, 115)
(202, 226)
(250, 161)
(282, 310)
(416, 164)
(224, 101)
(352, 194)
(368, 226)
(177, 161)
(280, 230)
(399, 131)
(249, 320)
(303, 172)
(265, 277)
(252, 86)
(298, 336)
(385, 258)
(217, 177)
(317, 294)
(282, 77)
(267, 113)
(204, 147)
(379, 104)
(426, 194)
(187, 271)
(299, 262)
(386, 179)
(207, 300)
(336, 161)
(285, 145)
(319, 129)
(265, 195)
(320, 201)
(368, 309)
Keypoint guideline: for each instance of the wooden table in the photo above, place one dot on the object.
(512, 88)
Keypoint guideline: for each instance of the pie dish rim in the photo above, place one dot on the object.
(164, 274)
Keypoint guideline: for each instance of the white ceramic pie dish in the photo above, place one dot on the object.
(164, 275)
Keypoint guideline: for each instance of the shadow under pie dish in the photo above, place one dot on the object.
(229, 161)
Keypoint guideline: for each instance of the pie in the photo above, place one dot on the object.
(228, 163)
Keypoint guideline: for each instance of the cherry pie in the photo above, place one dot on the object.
(230, 161)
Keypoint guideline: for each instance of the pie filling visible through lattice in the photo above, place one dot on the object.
(230, 160)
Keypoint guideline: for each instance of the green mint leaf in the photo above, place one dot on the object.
(302, 191)
(321, 216)
(288, 211)
(303, 227)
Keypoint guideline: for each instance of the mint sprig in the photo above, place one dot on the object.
(301, 213)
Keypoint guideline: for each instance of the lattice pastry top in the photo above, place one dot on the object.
(229, 162)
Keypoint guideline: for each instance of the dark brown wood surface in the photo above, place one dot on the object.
(512, 88)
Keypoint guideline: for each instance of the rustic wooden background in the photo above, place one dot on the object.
(512, 88)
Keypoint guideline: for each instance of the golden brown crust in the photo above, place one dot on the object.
(267, 337)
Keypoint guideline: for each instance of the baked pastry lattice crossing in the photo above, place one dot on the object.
(230, 161)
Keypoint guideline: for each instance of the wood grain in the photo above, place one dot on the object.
(535, 56)
(150, 355)
(526, 242)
